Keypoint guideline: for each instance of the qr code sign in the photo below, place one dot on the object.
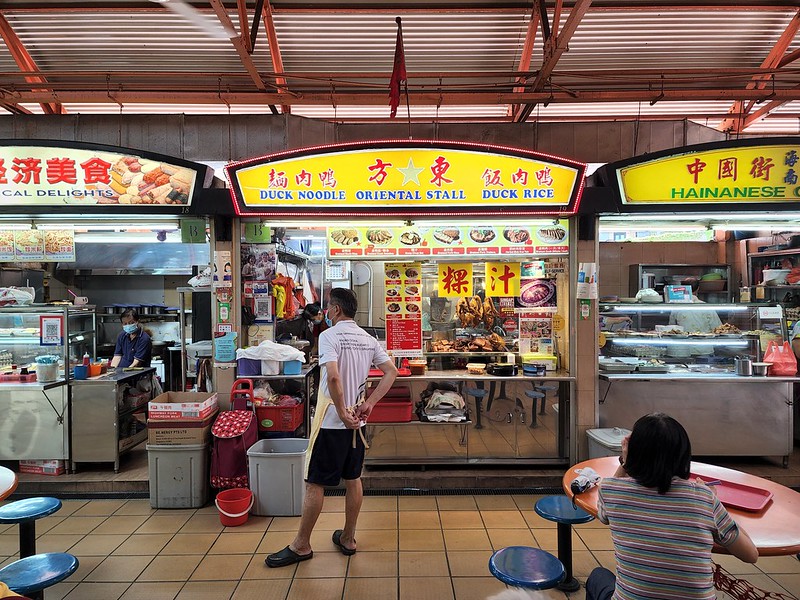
(51, 330)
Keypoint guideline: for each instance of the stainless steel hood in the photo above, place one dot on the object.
(157, 258)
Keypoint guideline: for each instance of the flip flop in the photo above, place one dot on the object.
(337, 540)
(286, 557)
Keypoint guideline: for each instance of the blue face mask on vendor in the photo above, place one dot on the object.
(328, 322)
(130, 329)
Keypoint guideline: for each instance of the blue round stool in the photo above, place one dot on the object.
(25, 513)
(32, 575)
(561, 510)
(524, 567)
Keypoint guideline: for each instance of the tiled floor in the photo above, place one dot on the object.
(410, 547)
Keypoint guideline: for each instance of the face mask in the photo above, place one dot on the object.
(328, 322)
(129, 329)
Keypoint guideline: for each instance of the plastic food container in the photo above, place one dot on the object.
(606, 442)
(418, 366)
(476, 368)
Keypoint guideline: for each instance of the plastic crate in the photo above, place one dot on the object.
(279, 418)
(391, 410)
(248, 366)
(275, 468)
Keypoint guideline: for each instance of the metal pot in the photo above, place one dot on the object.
(111, 310)
(760, 369)
(744, 365)
(147, 309)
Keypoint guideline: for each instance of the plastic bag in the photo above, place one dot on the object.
(269, 350)
(12, 296)
(782, 358)
(202, 279)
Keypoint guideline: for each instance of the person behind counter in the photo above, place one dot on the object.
(315, 324)
(134, 347)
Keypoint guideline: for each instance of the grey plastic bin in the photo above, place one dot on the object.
(178, 475)
(276, 469)
(606, 442)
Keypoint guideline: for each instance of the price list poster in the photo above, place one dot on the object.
(403, 299)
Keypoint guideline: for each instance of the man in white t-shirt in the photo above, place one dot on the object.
(336, 443)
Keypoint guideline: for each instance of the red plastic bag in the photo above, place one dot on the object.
(782, 359)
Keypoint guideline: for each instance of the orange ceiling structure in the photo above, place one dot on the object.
(728, 65)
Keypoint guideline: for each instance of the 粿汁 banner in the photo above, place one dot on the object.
(402, 177)
(65, 174)
(731, 173)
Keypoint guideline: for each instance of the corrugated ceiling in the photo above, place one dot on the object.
(333, 51)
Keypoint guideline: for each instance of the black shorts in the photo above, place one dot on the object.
(333, 457)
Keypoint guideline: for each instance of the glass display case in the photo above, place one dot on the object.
(696, 337)
(34, 415)
(681, 359)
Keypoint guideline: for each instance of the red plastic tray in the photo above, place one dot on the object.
(391, 410)
(739, 495)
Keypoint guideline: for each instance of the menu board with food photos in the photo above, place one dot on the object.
(543, 239)
(403, 297)
(37, 245)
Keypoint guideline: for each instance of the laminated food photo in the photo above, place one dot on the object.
(534, 293)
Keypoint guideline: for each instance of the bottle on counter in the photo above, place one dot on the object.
(744, 294)
(760, 292)
(86, 359)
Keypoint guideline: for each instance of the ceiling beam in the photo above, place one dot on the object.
(244, 25)
(322, 96)
(274, 50)
(241, 49)
(15, 109)
(772, 61)
(256, 20)
(527, 52)
(25, 62)
(553, 49)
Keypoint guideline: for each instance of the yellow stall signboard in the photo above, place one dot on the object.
(743, 174)
(405, 175)
(455, 280)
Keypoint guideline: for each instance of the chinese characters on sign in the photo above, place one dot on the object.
(47, 176)
(502, 279)
(733, 174)
(406, 176)
(403, 298)
(455, 280)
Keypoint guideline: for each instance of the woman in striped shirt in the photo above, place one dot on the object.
(663, 524)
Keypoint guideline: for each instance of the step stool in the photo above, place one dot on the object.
(31, 575)
(524, 567)
(25, 513)
(561, 510)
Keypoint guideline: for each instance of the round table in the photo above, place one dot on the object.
(8, 482)
(775, 530)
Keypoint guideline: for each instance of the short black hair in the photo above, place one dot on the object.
(346, 300)
(658, 450)
(311, 311)
(129, 312)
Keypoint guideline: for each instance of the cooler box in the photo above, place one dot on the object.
(606, 442)
(178, 475)
(247, 366)
(291, 367)
(276, 469)
(394, 407)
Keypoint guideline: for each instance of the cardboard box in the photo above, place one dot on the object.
(678, 294)
(42, 467)
(180, 432)
(189, 406)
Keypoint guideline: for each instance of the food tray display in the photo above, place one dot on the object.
(738, 495)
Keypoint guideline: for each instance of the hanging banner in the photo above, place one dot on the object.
(59, 245)
(403, 177)
(545, 238)
(77, 174)
(455, 280)
(29, 245)
(502, 279)
(403, 298)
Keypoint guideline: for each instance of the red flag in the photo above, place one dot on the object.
(398, 71)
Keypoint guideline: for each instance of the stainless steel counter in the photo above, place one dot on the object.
(460, 375)
(113, 376)
(36, 385)
(723, 413)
